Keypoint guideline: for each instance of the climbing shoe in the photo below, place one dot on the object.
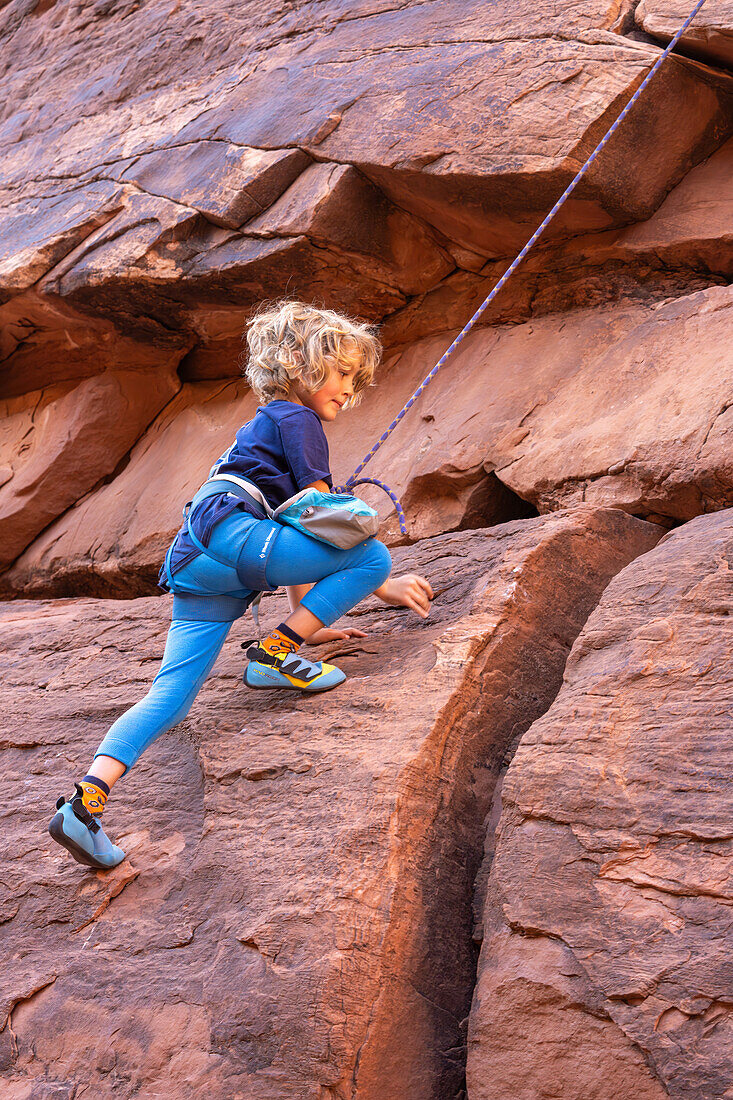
(289, 670)
(81, 833)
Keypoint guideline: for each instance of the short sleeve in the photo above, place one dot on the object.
(305, 448)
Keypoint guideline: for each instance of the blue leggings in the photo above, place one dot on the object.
(342, 578)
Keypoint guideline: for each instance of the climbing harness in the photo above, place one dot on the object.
(342, 521)
(355, 479)
(225, 608)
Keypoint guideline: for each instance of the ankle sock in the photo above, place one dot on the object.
(95, 793)
(281, 640)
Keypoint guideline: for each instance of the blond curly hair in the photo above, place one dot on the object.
(292, 341)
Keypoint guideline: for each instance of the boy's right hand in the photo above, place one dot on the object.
(410, 590)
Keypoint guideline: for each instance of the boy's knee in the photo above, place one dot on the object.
(381, 560)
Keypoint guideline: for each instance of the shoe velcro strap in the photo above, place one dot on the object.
(255, 653)
(300, 669)
(84, 816)
(292, 665)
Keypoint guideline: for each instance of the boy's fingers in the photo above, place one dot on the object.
(423, 584)
(419, 607)
(422, 596)
(427, 587)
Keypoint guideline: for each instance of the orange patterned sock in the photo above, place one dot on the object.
(95, 793)
(281, 640)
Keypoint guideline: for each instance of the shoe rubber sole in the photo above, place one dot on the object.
(56, 829)
(290, 687)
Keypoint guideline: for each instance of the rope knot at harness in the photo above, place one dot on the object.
(355, 479)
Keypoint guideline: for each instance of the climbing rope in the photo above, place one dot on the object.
(355, 480)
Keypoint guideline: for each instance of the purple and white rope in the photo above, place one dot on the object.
(382, 485)
(354, 479)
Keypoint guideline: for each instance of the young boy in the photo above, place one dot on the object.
(305, 366)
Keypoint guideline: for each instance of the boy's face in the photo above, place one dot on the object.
(327, 402)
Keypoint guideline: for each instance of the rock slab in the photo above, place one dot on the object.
(709, 36)
(605, 968)
(58, 444)
(161, 164)
(294, 918)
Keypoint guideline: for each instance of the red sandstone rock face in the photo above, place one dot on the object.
(29, 334)
(594, 405)
(169, 184)
(605, 966)
(686, 244)
(57, 444)
(113, 542)
(709, 36)
(173, 241)
(388, 161)
(294, 918)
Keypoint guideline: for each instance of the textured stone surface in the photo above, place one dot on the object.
(631, 430)
(140, 190)
(605, 967)
(37, 235)
(594, 405)
(293, 920)
(56, 445)
(31, 358)
(387, 160)
(693, 226)
(709, 36)
(334, 204)
(229, 184)
(113, 542)
(687, 244)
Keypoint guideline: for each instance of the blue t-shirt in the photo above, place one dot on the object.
(282, 450)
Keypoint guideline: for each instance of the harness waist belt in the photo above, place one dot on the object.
(227, 483)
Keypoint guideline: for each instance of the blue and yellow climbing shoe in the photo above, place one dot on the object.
(283, 669)
(82, 835)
